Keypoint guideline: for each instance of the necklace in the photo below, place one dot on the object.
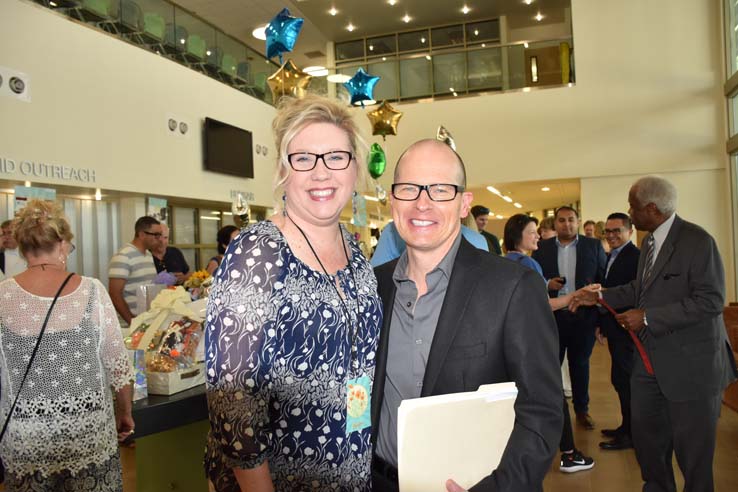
(353, 332)
(44, 265)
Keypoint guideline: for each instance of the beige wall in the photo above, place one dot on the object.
(103, 104)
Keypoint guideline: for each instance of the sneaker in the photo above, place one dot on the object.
(575, 461)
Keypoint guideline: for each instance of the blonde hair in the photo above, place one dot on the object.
(470, 222)
(40, 226)
(293, 115)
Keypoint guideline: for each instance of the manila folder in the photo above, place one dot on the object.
(459, 435)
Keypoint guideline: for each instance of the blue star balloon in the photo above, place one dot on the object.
(361, 87)
(281, 34)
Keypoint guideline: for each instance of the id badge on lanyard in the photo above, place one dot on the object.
(358, 404)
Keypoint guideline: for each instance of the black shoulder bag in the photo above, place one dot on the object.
(33, 355)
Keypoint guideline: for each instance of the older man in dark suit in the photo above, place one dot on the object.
(622, 265)
(571, 261)
(456, 318)
(679, 294)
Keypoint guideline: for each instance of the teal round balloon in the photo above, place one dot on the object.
(377, 161)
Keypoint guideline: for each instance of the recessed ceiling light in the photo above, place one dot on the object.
(259, 33)
(451, 89)
(484, 45)
(526, 89)
(391, 2)
(427, 57)
(333, 11)
(422, 40)
(53, 4)
(208, 52)
(465, 10)
(183, 41)
(350, 27)
(406, 19)
(384, 58)
(570, 84)
(500, 216)
(98, 194)
(371, 47)
(517, 205)
(525, 45)
(507, 199)
(539, 16)
(527, 2)
(316, 71)
(545, 188)
(476, 32)
(494, 190)
(455, 94)
(338, 78)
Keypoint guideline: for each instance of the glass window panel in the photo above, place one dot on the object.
(209, 225)
(447, 36)
(449, 73)
(184, 225)
(341, 91)
(415, 77)
(206, 254)
(190, 258)
(228, 56)
(515, 66)
(386, 88)
(485, 69)
(350, 50)
(731, 35)
(477, 32)
(381, 45)
(411, 41)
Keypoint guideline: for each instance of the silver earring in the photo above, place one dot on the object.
(284, 204)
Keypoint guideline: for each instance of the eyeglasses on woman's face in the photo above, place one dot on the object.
(336, 160)
(440, 192)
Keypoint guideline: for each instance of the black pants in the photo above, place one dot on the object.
(567, 434)
(622, 351)
(384, 476)
(662, 428)
(577, 338)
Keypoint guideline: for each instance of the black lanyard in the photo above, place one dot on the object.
(354, 331)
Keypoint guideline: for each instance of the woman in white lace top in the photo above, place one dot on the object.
(64, 430)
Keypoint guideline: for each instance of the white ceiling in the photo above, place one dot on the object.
(239, 18)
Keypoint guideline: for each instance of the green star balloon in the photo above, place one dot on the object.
(377, 161)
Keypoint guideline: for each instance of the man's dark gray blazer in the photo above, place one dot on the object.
(495, 325)
(691, 357)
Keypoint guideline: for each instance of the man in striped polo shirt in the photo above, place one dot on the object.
(133, 266)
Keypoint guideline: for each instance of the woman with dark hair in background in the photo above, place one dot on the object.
(225, 235)
(61, 352)
(521, 238)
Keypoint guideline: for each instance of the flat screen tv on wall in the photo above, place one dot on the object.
(228, 149)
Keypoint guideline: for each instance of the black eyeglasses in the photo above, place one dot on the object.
(337, 160)
(155, 234)
(440, 192)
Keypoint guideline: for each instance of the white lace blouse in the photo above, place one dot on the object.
(64, 418)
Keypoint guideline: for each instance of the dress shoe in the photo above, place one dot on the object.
(585, 421)
(620, 442)
(612, 432)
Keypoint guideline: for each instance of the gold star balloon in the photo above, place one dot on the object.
(288, 81)
(384, 120)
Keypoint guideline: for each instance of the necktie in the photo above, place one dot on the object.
(647, 270)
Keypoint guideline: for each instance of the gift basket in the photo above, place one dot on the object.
(170, 334)
(198, 285)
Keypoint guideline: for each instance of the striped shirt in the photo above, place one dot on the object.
(135, 268)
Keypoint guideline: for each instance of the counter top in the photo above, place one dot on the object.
(161, 413)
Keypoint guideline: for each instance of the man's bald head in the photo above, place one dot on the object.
(438, 148)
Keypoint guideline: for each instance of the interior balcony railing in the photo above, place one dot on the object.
(418, 72)
(170, 31)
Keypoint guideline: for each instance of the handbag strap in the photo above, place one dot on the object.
(33, 354)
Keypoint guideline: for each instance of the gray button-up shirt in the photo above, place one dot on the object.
(411, 332)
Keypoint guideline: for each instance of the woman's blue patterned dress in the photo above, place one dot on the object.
(278, 341)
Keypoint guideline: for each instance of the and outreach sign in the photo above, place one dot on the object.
(31, 169)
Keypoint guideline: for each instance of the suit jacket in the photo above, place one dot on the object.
(591, 261)
(683, 301)
(622, 271)
(495, 325)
